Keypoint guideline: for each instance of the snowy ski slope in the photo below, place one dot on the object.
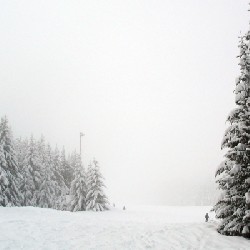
(136, 228)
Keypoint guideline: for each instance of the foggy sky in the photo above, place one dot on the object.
(150, 83)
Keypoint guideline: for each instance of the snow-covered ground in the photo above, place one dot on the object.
(136, 228)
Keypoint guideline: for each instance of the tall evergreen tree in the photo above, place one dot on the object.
(60, 186)
(29, 173)
(21, 149)
(78, 187)
(234, 172)
(39, 154)
(36, 162)
(96, 200)
(47, 188)
(10, 177)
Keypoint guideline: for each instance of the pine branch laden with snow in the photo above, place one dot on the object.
(96, 199)
(78, 187)
(233, 173)
(10, 177)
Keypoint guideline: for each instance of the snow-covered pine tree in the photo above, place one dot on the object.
(21, 148)
(10, 177)
(40, 168)
(30, 173)
(246, 218)
(234, 172)
(78, 186)
(60, 188)
(36, 161)
(47, 187)
(96, 200)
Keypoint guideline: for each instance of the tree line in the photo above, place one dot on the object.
(32, 173)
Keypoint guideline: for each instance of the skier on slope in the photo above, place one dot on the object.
(206, 217)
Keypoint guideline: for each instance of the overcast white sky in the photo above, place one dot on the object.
(149, 82)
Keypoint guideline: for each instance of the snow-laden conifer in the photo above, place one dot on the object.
(60, 187)
(96, 199)
(10, 177)
(47, 190)
(31, 173)
(39, 167)
(233, 173)
(78, 186)
(21, 148)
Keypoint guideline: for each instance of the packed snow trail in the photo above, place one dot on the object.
(163, 228)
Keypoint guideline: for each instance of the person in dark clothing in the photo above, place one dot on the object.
(206, 217)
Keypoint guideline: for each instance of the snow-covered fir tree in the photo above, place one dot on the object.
(60, 187)
(78, 186)
(31, 173)
(21, 149)
(233, 174)
(96, 199)
(47, 190)
(10, 177)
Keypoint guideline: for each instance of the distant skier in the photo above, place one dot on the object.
(206, 217)
(124, 208)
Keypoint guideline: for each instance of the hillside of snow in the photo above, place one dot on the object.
(142, 227)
